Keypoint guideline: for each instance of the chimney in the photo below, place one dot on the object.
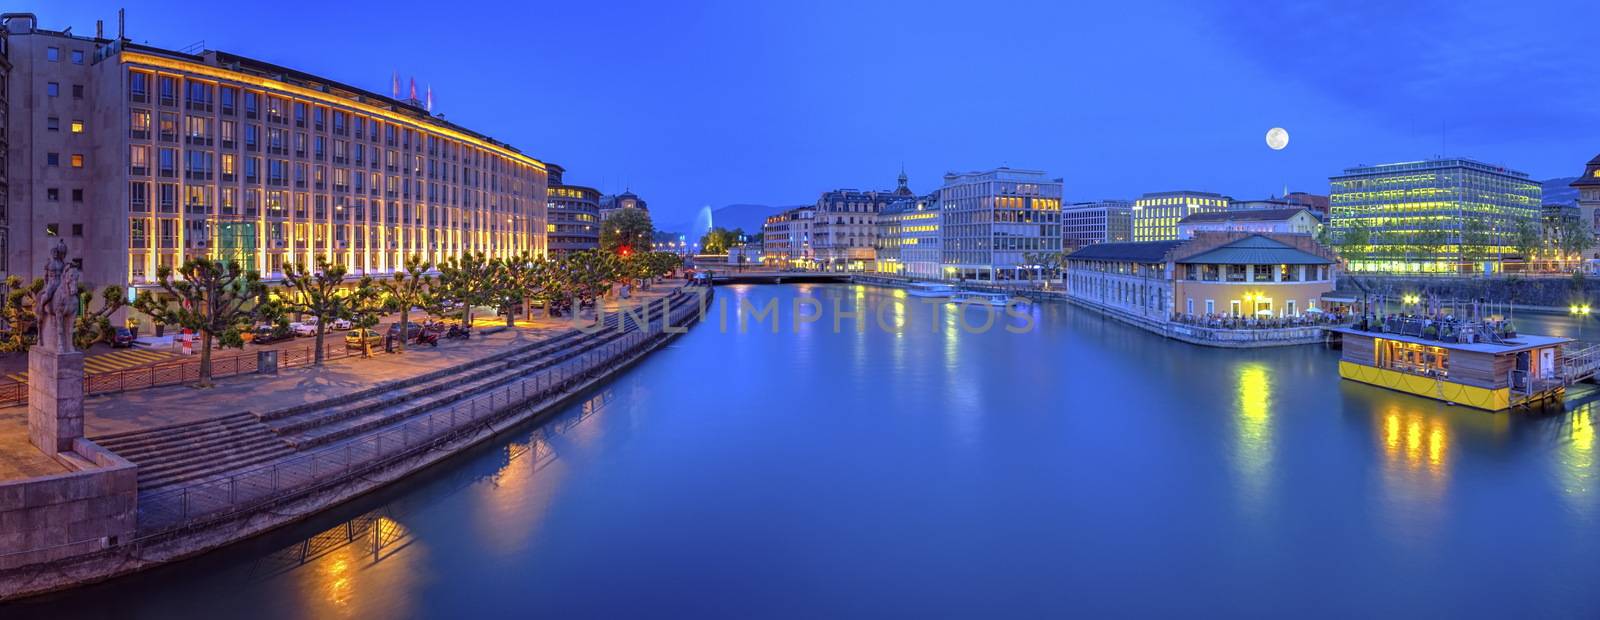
(122, 24)
(99, 29)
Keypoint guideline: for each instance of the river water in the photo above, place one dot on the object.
(1084, 467)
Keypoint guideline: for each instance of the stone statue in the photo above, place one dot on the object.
(56, 305)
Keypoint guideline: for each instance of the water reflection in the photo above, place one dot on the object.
(1253, 434)
(367, 546)
(1415, 468)
(1576, 461)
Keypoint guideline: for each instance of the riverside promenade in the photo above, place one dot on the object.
(255, 452)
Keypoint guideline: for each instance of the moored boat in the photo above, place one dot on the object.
(990, 299)
(930, 290)
(1464, 363)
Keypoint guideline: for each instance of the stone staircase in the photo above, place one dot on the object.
(178, 453)
(318, 424)
(183, 454)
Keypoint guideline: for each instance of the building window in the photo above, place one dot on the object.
(138, 86)
(52, 194)
(77, 91)
(52, 124)
(52, 89)
(77, 160)
(77, 195)
(77, 57)
(52, 230)
(52, 54)
(77, 126)
(52, 159)
(77, 230)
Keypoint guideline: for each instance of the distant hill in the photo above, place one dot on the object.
(1557, 192)
(749, 217)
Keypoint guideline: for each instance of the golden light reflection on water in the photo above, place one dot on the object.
(1576, 460)
(1253, 434)
(1415, 471)
(354, 569)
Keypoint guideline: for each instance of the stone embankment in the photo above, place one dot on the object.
(206, 484)
(1543, 293)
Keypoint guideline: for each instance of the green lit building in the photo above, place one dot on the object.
(1436, 216)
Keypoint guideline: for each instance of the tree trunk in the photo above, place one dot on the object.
(205, 358)
(466, 315)
(322, 328)
(510, 317)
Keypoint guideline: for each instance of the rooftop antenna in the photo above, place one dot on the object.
(122, 21)
(394, 86)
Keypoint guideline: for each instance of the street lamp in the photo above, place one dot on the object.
(1581, 311)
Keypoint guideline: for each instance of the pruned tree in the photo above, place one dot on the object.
(409, 288)
(466, 280)
(366, 305)
(216, 299)
(514, 283)
(590, 274)
(18, 313)
(319, 293)
(92, 325)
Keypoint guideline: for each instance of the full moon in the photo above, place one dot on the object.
(1277, 138)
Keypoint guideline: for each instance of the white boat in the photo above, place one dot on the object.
(989, 299)
(930, 290)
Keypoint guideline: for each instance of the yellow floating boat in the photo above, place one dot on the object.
(1486, 372)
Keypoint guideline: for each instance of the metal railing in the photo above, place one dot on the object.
(231, 494)
(14, 392)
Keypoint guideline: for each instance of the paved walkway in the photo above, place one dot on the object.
(154, 407)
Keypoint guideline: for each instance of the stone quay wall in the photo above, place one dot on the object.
(481, 419)
(1550, 293)
(80, 512)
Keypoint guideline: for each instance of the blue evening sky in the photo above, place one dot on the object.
(709, 103)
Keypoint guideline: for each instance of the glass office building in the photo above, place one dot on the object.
(1436, 216)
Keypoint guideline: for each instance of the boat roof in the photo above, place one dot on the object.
(1522, 342)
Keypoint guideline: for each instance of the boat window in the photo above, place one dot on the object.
(1413, 358)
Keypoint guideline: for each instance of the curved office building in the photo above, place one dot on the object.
(574, 215)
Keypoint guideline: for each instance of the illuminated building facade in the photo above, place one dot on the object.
(573, 215)
(995, 220)
(611, 204)
(844, 231)
(1088, 223)
(1215, 273)
(1294, 219)
(141, 158)
(1436, 216)
(786, 238)
(908, 238)
(1588, 186)
(1156, 215)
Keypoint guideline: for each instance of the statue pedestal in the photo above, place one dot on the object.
(55, 399)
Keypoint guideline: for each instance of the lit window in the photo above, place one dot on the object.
(77, 161)
(77, 126)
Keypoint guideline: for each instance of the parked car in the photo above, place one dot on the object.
(121, 337)
(411, 331)
(341, 324)
(303, 329)
(355, 338)
(265, 334)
